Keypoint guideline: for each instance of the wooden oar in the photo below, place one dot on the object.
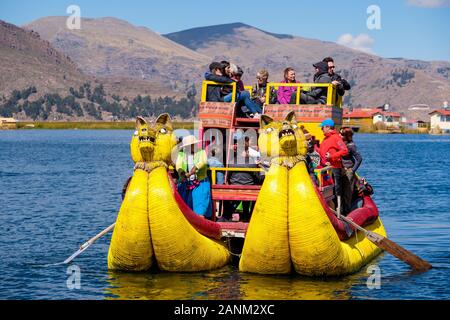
(87, 244)
(396, 250)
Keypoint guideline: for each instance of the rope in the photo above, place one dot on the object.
(229, 249)
(288, 161)
(150, 166)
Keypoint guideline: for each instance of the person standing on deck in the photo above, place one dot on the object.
(331, 151)
(351, 163)
(194, 183)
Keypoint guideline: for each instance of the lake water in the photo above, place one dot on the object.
(59, 188)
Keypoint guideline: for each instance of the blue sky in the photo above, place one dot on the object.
(415, 29)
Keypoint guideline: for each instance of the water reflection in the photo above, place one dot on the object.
(226, 283)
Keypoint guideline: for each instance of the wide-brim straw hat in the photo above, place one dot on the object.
(188, 141)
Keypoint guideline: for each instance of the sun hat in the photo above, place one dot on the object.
(189, 140)
(327, 122)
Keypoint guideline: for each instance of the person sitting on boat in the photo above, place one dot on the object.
(226, 68)
(236, 75)
(214, 162)
(341, 84)
(351, 163)
(216, 93)
(259, 89)
(316, 95)
(331, 150)
(248, 107)
(248, 159)
(192, 165)
(284, 93)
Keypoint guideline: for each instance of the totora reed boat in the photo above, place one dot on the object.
(292, 228)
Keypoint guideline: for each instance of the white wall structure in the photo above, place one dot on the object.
(440, 119)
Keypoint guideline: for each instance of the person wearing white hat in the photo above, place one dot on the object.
(194, 185)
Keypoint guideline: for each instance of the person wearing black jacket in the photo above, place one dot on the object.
(337, 80)
(317, 95)
(351, 163)
(215, 93)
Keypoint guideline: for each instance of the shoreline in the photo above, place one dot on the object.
(80, 125)
(130, 125)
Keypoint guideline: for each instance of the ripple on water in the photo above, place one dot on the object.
(59, 188)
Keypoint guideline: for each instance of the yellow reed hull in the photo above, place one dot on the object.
(266, 246)
(131, 246)
(314, 245)
(177, 245)
(150, 224)
(289, 226)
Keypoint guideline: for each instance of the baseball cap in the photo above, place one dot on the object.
(327, 122)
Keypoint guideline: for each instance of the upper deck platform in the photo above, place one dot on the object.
(225, 115)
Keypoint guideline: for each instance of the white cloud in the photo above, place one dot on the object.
(362, 42)
(428, 3)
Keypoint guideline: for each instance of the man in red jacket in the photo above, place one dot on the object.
(331, 150)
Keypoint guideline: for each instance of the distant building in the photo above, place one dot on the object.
(361, 118)
(8, 123)
(440, 120)
(367, 118)
(414, 124)
(391, 119)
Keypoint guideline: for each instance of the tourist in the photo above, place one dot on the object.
(226, 68)
(214, 162)
(216, 93)
(331, 150)
(236, 75)
(192, 165)
(317, 95)
(249, 158)
(341, 84)
(312, 156)
(284, 93)
(351, 163)
(247, 107)
(260, 88)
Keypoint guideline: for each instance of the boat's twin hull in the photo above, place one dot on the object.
(289, 227)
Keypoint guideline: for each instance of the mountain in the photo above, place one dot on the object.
(39, 82)
(375, 80)
(27, 60)
(110, 48)
(129, 61)
(198, 37)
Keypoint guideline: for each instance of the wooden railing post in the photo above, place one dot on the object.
(330, 95)
(297, 99)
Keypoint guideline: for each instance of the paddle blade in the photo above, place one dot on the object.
(401, 253)
(76, 254)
